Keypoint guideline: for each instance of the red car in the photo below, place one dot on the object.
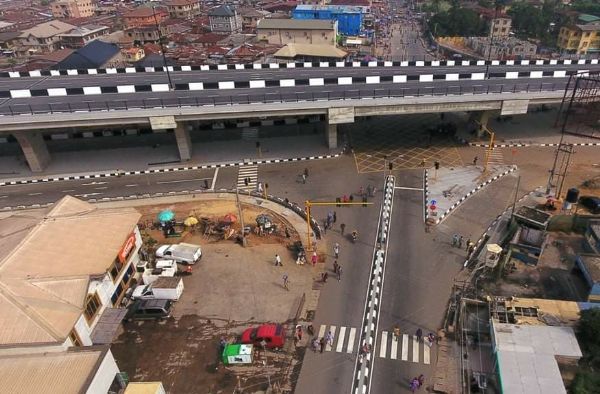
(272, 334)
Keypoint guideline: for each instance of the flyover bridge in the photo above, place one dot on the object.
(36, 100)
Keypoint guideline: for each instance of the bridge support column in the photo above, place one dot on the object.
(332, 136)
(479, 121)
(184, 142)
(35, 150)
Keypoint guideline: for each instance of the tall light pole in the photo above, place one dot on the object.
(162, 48)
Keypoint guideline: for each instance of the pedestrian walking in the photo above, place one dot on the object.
(278, 260)
(305, 173)
(335, 267)
(325, 227)
(336, 250)
(315, 344)
(324, 277)
(259, 187)
(475, 160)
(396, 332)
(329, 338)
(342, 228)
(419, 334)
(468, 243)
(334, 216)
(454, 240)
(431, 339)
(285, 281)
(322, 344)
(421, 380)
(299, 332)
(313, 259)
(304, 178)
(339, 273)
(460, 242)
(470, 249)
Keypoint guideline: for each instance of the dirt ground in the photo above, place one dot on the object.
(551, 278)
(231, 288)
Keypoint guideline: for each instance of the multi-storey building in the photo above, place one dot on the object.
(580, 39)
(289, 31)
(73, 8)
(224, 19)
(182, 9)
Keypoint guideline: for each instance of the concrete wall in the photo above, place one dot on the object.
(104, 375)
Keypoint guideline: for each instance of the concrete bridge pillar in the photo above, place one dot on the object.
(35, 149)
(332, 136)
(184, 142)
(479, 121)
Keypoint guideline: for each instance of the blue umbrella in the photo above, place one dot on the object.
(166, 215)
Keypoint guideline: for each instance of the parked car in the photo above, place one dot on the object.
(149, 309)
(591, 203)
(163, 287)
(272, 334)
(181, 253)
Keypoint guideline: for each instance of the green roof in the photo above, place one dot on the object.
(587, 18)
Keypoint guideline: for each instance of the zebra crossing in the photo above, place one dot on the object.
(404, 348)
(249, 172)
(496, 158)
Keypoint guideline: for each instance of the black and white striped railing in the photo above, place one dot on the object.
(274, 66)
(280, 83)
(528, 144)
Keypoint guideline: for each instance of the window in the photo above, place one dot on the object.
(75, 338)
(115, 269)
(92, 305)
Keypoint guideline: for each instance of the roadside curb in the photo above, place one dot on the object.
(524, 145)
(466, 196)
(117, 173)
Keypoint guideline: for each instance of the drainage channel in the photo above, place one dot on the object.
(363, 366)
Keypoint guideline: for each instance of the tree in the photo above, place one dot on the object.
(457, 22)
(531, 22)
(589, 336)
(587, 6)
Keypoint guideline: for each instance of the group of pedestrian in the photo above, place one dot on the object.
(318, 344)
(458, 242)
(329, 221)
(337, 269)
(430, 337)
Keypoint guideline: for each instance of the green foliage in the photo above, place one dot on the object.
(486, 3)
(587, 6)
(44, 2)
(589, 336)
(586, 382)
(457, 22)
(531, 22)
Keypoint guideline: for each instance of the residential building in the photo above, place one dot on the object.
(310, 53)
(96, 54)
(6, 26)
(589, 266)
(364, 5)
(73, 8)
(78, 370)
(182, 9)
(46, 61)
(251, 16)
(45, 37)
(132, 55)
(144, 16)
(579, 39)
(61, 270)
(9, 40)
(290, 31)
(145, 34)
(80, 36)
(501, 48)
(224, 19)
(500, 27)
(349, 18)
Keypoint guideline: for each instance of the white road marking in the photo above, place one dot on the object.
(408, 188)
(101, 188)
(351, 337)
(3, 196)
(214, 180)
(382, 349)
(132, 185)
(394, 354)
(332, 330)
(94, 183)
(322, 331)
(34, 194)
(415, 357)
(177, 181)
(68, 190)
(87, 195)
(426, 351)
(340, 342)
(404, 347)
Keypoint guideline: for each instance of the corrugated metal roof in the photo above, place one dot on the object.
(49, 373)
(292, 50)
(46, 262)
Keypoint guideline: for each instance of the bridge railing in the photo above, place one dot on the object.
(131, 103)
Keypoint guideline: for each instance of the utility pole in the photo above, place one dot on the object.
(241, 215)
(162, 48)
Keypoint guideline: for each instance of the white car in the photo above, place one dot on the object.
(181, 253)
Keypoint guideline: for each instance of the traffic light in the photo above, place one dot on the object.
(437, 165)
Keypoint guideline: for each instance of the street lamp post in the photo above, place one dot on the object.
(162, 48)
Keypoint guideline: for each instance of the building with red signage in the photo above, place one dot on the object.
(62, 271)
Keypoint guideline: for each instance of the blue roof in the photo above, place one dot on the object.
(94, 55)
(340, 9)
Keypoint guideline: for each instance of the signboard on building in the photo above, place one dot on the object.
(127, 248)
